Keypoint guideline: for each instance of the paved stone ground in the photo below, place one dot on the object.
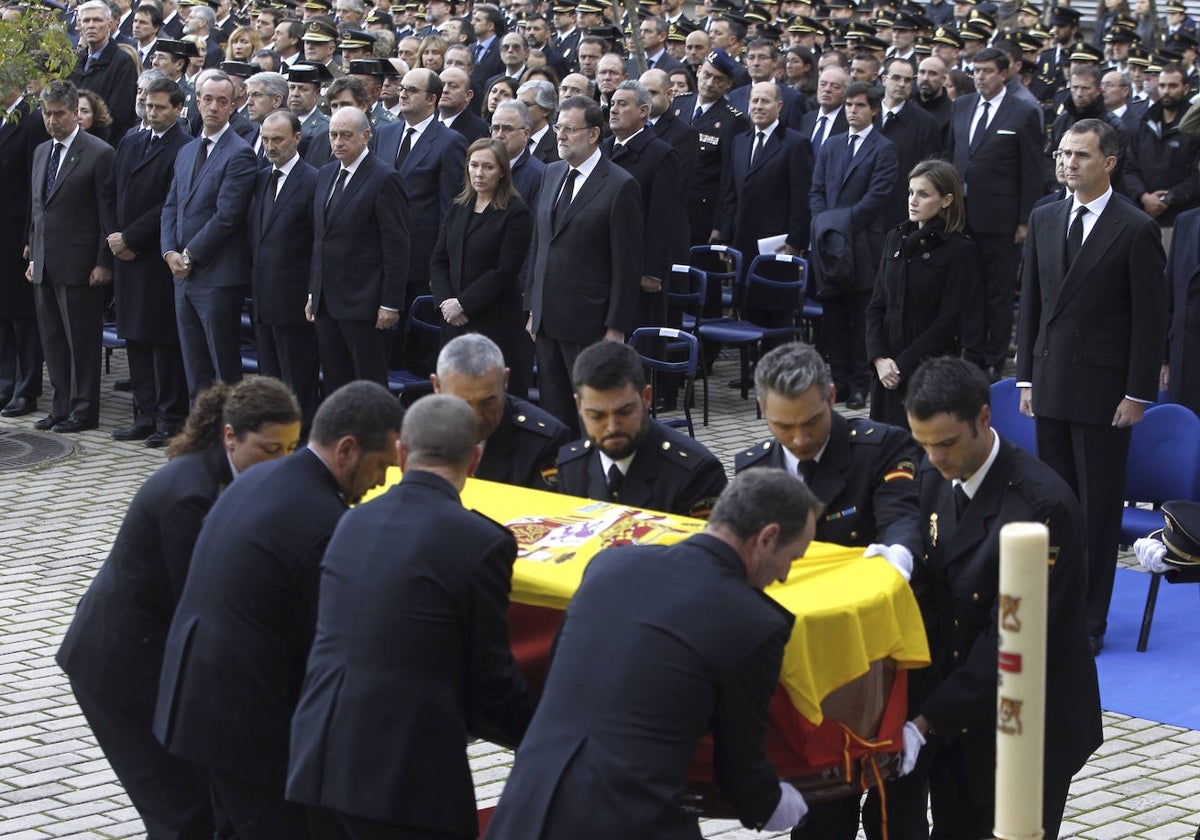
(56, 526)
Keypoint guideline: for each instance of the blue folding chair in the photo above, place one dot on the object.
(1007, 418)
(422, 318)
(686, 289)
(770, 309)
(655, 346)
(723, 267)
(1163, 464)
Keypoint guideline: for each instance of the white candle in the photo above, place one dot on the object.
(1021, 684)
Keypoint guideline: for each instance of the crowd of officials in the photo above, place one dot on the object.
(283, 187)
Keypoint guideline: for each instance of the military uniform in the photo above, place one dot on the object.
(380, 115)
(864, 477)
(316, 123)
(671, 472)
(523, 449)
(716, 128)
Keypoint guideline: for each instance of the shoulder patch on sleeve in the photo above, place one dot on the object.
(904, 470)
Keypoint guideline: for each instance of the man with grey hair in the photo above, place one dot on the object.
(265, 92)
(520, 441)
(202, 23)
(540, 97)
(454, 105)
(862, 471)
(656, 168)
(103, 67)
(510, 125)
(411, 656)
(637, 680)
(139, 102)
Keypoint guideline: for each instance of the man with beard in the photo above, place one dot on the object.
(931, 90)
(627, 457)
(1160, 169)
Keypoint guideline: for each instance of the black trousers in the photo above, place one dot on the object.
(845, 329)
(210, 333)
(170, 795)
(289, 352)
(555, 360)
(69, 320)
(1001, 257)
(256, 812)
(1091, 457)
(352, 350)
(20, 360)
(325, 824)
(160, 395)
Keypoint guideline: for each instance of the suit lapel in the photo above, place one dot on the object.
(828, 478)
(219, 148)
(591, 187)
(1105, 232)
(868, 149)
(998, 119)
(290, 185)
(421, 148)
(975, 524)
(770, 148)
(67, 166)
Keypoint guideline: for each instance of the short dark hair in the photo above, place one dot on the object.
(887, 65)
(364, 410)
(761, 497)
(593, 117)
(151, 11)
(440, 430)
(1110, 142)
(61, 90)
(1010, 48)
(608, 366)
(737, 30)
(595, 40)
(357, 89)
(293, 120)
(872, 92)
(764, 43)
(161, 84)
(494, 15)
(993, 55)
(1090, 70)
(947, 386)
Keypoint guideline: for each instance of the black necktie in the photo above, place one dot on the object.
(615, 479)
(805, 470)
(961, 500)
(201, 156)
(405, 147)
(337, 191)
(980, 127)
(565, 195)
(758, 144)
(155, 140)
(819, 137)
(52, 168)
(1075, 235)
(887, 119)
(696, 114)
(269, 199)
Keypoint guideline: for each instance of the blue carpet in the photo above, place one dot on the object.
(1162, 684)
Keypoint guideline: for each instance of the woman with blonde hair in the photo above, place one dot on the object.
(243, 43)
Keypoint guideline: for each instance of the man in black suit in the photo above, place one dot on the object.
(20, 347)
(855, 173)
(412, 650)
(454, 105)
(104, 68)
(360, 255)
(430, 157)
(541, 99)
(280, 229)
(520, 441)
(636, 681)
(69, 259)
(761, 57)
(586, 255)
(147, 21)
(203, 239)
(510, 126)
(627, 456)
(912, 130)
(676, 133)
(863, 472)
(767, 181)
(931, 95)
(234, 657)
(716, 122)
(829, 117)
(972, 484)
(142, 287)
(1090, 342)
(656, 168)
(488, 23)
(996, 145)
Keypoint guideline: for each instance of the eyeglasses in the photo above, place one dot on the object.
(569, 129)
(504, 129)
(411, 90)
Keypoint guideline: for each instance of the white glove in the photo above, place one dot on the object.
(898, 556)
(1150, 553)
(790, 810)
(913, 741)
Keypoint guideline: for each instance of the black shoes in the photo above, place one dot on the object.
(73, 424)
(856, 400)
(48, 423)
(157, 440)
(134, 432)
(19, 407)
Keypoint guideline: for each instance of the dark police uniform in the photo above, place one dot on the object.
(671, 472)
(864, 477)
(716, 128)
(523, 449)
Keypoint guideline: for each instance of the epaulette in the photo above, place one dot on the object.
(530, 423)
(866, 431)
(733, 110)
(574, 451)
(686, 455)
(752, 455)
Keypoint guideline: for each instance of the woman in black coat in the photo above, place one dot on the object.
(927, 299)
(475, 269)
(113, 650)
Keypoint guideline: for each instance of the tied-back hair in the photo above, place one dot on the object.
(945, 179)
(244, 407)
(505, 191)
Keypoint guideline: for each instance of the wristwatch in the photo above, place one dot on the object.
(187, 259)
